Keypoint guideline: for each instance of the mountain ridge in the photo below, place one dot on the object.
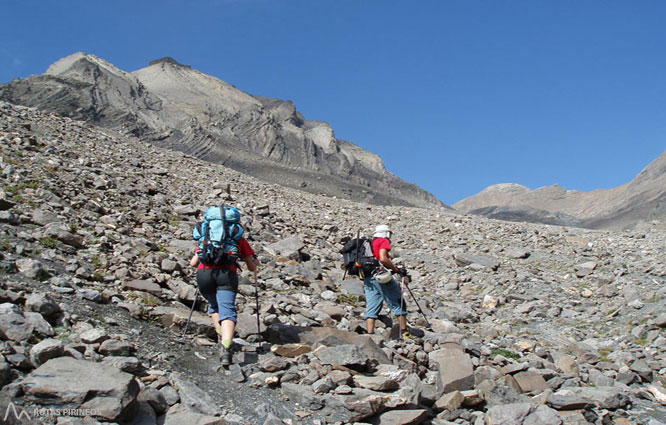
(172, 105)
(643, 198)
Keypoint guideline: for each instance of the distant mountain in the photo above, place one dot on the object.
(643, 198)
(171, 105)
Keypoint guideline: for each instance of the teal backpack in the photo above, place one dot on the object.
(218, 236)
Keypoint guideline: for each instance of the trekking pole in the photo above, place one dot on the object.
(256, 297)
(194, 303)
(417, 303)
(402, 300)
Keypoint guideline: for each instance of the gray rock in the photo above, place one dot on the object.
(143, 286)
(567, 364)
(127, 364)
(70, 383)
(404, 417)
(115, 347)
(246, 325)
(272, 364)
(543, 415)
(375, 383)
(530, 382)
(303, 395)
(44, 217)
(464, 259)
(63, 234)
(13, 324)
(329, 337)
(323, 385)
(143, 414)
(172, 317)
(46, 350)
(661, 320)
(450, 401)
(610, 398)
(288, 247)
(30, 268)
(518, 253)
(456, 371)
(508, 414)
(567, 401)
(44, 305)
(169, 266)
(193, 397)
(170, 395)
(39, 323)
(94, 336)
(342, 355)
(180, 415)
(353, 287)
(5, 373)
(154, 398)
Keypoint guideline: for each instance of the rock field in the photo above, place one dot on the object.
(526, 324)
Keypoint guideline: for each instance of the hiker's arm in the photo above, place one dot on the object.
(385, 260)
(251, 262)
(194, 261)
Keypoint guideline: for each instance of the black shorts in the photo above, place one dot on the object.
(210, 280)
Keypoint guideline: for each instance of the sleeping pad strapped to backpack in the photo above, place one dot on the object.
(218, 236)
(357, 257)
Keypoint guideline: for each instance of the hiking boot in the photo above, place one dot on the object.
(406, 335)
(225, 356)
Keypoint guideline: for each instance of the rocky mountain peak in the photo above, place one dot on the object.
(83, 66)
(179, 108)
(168, 60)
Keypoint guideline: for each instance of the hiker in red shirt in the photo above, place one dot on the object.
(376, 293)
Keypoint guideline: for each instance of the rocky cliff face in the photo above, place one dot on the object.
(174, 106)
(644, 198)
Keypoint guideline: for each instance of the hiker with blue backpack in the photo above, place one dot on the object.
(220, 247)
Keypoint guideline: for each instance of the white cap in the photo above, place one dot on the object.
(382, 231)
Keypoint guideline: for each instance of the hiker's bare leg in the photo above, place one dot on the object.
(403, 322)
(370, 325)
(216, 322)
(228, 327)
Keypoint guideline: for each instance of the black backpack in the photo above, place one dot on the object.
(358, 258)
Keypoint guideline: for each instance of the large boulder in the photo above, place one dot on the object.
(456, 371)
(329, 337)
(65, 382)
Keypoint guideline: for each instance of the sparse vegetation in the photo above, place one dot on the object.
(48, 242)
(5, 245)
(352, 300)
(604, 353)
(505, 353)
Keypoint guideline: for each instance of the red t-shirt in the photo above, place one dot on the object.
(244, 250)
(380, 243)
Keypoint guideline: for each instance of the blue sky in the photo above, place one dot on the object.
(453, 95)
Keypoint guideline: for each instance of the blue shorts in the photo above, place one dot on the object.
(222, 302)
(218, 287)
(376, 293)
